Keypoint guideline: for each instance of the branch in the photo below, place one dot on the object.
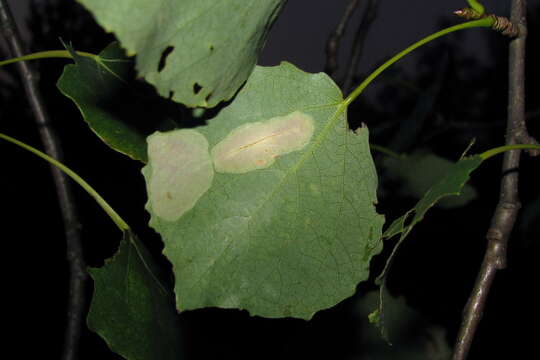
(332, 45)
(358, 43)
(505, 214)
(52, 146)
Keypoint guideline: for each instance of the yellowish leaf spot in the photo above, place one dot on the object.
(256, 145)
(182, 171)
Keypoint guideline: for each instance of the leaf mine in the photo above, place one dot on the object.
(256, 145)
(181, 171)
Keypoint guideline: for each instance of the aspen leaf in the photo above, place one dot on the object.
(289, 238)
(131, 310)
(418, 171)
(198, 51)
(103, 98)
(452, 183)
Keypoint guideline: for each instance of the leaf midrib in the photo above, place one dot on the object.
(323, 134)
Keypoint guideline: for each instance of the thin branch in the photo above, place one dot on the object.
(52, 146)
(332, 45)
(358, 43)
(523, 137)
(505, 214)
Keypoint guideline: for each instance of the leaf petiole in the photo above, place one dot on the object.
(495, 151)
(484, 22)
(122, 225)
(60, 54)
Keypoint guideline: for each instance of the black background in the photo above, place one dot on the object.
(435, 269)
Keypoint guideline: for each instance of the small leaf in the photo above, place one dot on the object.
(418, 171)
(100, 93)
(130, 308)
(200, 50)
(451, 184)
(294, 231)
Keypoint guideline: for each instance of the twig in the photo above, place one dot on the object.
(52, 146)
(505, 214)
(332, 45)
(524, 138)
(358, 43)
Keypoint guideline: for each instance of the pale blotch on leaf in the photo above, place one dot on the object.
(256, 145)
(181, 172)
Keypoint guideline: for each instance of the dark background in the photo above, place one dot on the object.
(436, 267)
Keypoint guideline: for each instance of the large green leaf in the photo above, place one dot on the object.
(201, 51)
(130, 308)
(287, 239)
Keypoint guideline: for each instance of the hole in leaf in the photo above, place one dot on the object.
(171, 94)
(164, 56)
(207, 98)
(196, 88)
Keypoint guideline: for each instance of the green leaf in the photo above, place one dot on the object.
(451, 184)
(291, 233)
(130, 308)
(418, 171)
(201, 51)
(100, 93)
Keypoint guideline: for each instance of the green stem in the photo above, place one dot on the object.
(484, 22)
(492, 152)
(62, 54)
(122, 225)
